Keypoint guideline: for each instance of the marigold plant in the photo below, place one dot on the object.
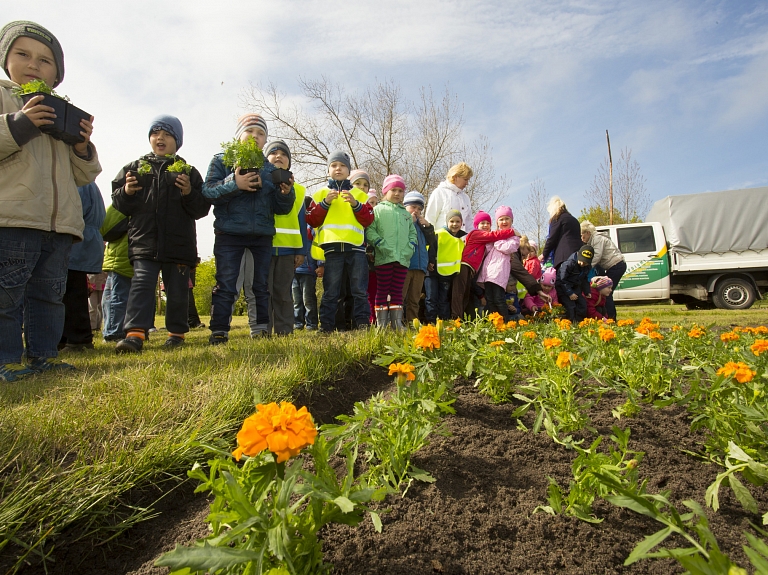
(403, 371)
(606, 334)
(530, 334)
(523, 322)
(282, 429)
(587, 321)
(760, 346)
(564, 324)
(696, 332)
(496, 343)
(497, 320)
(565, 358)
(625, 322)
(739, 370)
(647, 326)
(655, 335)
(729, 336)
(550, 342)
(427, 338)
(511, 324)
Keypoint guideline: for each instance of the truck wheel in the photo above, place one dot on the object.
(734, 293)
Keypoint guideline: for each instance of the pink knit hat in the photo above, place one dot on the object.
(548, 277)
(392, 181)
(502, 211)
(481, 216)
(373, 194)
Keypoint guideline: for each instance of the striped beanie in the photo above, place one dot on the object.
(600, 282)
(392, 181)
(359, 175)
(248, 120)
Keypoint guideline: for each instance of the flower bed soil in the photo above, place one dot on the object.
(477, 517)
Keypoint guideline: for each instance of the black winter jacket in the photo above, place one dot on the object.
(162, 224)
(564, 238)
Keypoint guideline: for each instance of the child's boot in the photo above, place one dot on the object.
(396, 317)
(382, 316)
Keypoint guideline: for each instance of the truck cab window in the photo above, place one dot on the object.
(636, 239)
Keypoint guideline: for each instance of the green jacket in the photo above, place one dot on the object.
(114, 230)
(392, 234)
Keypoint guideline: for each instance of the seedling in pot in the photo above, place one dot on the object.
(245, 156)
(176, 168)
(66, 124)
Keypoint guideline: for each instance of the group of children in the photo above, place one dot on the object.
(261, 216)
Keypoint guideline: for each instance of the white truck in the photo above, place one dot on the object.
(702, 250)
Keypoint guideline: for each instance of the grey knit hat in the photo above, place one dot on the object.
(453, 214)
(279, 145)
(340, 156)
(413, 198)
(14, 30)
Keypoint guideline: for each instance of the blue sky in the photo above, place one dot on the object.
(683, 84)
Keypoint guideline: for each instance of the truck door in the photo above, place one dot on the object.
(645, 252)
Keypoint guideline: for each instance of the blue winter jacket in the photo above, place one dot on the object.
(88, 255)
(573, 277)
(425, 249)
(244, 213)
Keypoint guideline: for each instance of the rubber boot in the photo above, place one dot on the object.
(382, 316)
(396, 317)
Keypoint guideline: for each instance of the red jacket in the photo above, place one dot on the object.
(474, 245)
(596, 305)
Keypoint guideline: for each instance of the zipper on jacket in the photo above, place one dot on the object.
(55, 186)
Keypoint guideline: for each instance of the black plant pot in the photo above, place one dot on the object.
(144, 180)
(281, 176)
(244, 171)
(170, 178)
(66, 124)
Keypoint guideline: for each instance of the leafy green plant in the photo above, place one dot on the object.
(737, 461)
(145, 168)
(37, 86)
(179, 166)
(242, 154)
(620, 464)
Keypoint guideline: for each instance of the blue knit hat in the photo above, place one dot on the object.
(170, 124)
(413, 198)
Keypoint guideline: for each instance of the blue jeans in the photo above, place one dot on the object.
(114, 303)
(356, 265)
(228, 250)
(33, 278)
(437, 302)
(304, 301)
(140, 312)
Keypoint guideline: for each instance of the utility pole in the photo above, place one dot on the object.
(610, 180)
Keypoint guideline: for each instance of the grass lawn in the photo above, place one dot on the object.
(71, 443)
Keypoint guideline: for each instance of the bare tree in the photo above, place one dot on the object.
(383, 131)
(630, 198)
(534, 216)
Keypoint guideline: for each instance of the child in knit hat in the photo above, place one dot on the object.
(494, 271)
(162, 236)
(472, 258)
(532, 303)
(449, 242)
(423, 259)
(529, 255)
(41, 211)
(341, 213)
(360, 180)
(245, 206)
(600, 288)
(393, 237)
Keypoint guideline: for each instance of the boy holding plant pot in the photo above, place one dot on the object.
(161, 234)
(245, 205)
(40, 210)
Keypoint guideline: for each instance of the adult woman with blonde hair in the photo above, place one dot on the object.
(450, 195)
(607, 257)
(564, 236)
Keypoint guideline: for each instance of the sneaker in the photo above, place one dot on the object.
(311, 328)
(173, 341)
(130, 344)
(200, 325)
(259, 334)
(14, 371)
(76, 347)
(218, 338)
(40, 364)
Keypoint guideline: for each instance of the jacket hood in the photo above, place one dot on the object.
(445, 184)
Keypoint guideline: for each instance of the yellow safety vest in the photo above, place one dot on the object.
(449, 250)
(340, 224)
(287, 232)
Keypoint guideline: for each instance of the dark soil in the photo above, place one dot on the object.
(477, 517)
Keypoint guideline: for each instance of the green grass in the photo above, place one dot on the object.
(72, 443)
(670, 314)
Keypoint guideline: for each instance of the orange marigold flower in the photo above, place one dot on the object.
(696, 332)
(403, 371)
(530, 334)
(550, 342)
(565, 358)
(282, 429)
(655, 335)
(496, 343)
(427, 338)
(759, 330)
(587, 321)
(496, 319)
(738, 370)
(625, 322)
(564, 324)
(647, 326)
(760, 346)
(677, 327)
(606, 334)
(510, 324)
(523, 322)
(457, 322)
(729, 336)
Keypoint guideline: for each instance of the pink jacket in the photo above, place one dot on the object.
(495, 268)
(533, 267)
(531, 301)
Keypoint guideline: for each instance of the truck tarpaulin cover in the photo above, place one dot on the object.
(731, 221)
